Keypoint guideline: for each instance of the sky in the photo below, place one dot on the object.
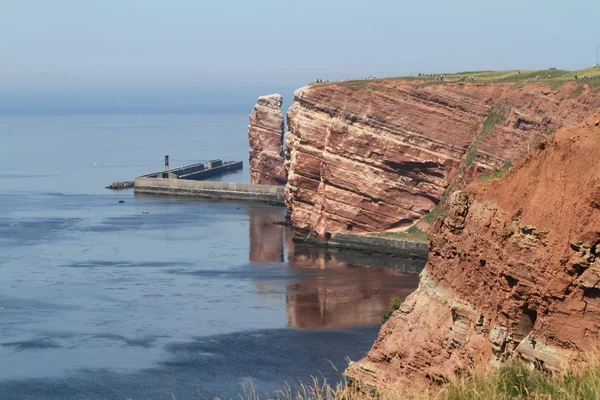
(255, 46)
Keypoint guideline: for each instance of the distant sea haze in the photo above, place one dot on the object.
(81, 154)
(135, 100)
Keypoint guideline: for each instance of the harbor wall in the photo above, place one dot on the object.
(211, 190)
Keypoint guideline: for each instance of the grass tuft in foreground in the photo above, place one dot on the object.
(517, 380)
(513, 381)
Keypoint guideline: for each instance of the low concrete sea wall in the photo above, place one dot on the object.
(210, 190)
(380, 244)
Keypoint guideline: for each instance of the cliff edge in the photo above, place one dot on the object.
(512, 272)
(380, 154)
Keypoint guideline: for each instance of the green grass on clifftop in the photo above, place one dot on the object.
(520, 77)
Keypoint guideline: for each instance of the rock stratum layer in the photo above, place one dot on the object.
(377, 155)
(265, 135)
(512, 271)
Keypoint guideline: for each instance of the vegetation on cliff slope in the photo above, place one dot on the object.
(412, 234)
(497, 173)
(514, 380)
(496, 114)
(395, 303)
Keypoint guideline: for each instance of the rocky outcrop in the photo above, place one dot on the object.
(121, 185)
(376, 155)
(513, 271)
(265, 135)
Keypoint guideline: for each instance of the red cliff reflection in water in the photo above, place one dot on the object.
(266, 237)
(340, 293)
(331, 288)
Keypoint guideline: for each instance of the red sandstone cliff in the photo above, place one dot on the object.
(265, 135)
(376, 155)
(512, 270)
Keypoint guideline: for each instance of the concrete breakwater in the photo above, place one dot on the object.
(210, 190)
(378, 244)
(373, 244)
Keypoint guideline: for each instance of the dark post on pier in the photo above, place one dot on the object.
(166, 162)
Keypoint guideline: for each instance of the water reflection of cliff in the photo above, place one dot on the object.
(330, 288)
(266, 237)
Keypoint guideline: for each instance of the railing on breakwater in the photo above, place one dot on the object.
(198, 171)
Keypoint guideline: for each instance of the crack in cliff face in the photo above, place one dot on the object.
(511, 273)
(407, 146)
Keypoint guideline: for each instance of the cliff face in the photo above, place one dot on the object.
(376, 155)
(265, 135)
(512, 270)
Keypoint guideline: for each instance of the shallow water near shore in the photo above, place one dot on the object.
(159, 297)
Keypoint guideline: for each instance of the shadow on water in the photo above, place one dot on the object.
(210, 366)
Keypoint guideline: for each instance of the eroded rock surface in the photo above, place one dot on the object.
(512, 271)
(265, 135)
(376, 155)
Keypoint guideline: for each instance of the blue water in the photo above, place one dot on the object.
(160, 297)
(82, 154)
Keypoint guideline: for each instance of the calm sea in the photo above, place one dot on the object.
(161, 298)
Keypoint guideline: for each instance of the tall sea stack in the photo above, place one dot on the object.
(265, 135)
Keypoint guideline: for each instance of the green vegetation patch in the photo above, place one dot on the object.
(497, 173)
(354, 85)
(578, 91)
(496, 114)
(438, 211)
(395, 303)
(551, 77)
(412, 234)
(517, 380)
(511, 75)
